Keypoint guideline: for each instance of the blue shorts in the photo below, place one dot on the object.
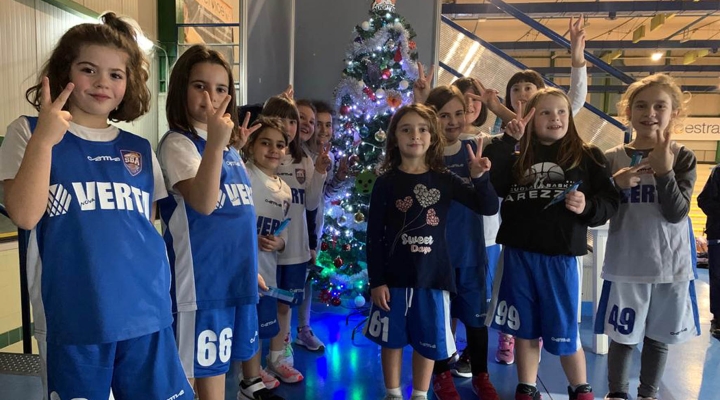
(267, 317)
(538, 296)
(146, 367)
(292, 277)
(418, 317)
(470, 304)
(493, 255)
(209, 339)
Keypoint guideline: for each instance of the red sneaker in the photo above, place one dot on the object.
(483, 388)
(444, 387)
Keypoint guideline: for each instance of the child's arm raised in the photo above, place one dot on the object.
(26, 194)
(314, 189)
(578, 73)
(674, 179)
(480, 196)
(201, 191)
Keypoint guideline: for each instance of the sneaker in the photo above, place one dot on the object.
(461, 368)
(444, 387)
(616, 396)
(506, 349)
(283, 371)
(453, 358)
(583, 392)
(256, 391)
(715, 328)
(269, 380)
(483, 388)
(392, 397)
(527, 392)
(307, 338)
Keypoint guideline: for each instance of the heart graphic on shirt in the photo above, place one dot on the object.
(426, 197)
(432, 219)
(404, 204)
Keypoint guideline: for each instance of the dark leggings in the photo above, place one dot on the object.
(477, 345)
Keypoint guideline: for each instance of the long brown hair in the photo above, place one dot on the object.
(114, 33)
(434, 156)
(176, 106)
(572, 147)
(284, 107)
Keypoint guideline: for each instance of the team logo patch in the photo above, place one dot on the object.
(300, 175)
(132, 161)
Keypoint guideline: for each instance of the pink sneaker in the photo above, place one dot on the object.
(307, 339)
(283, 371)
(269, 380)
(506, 349)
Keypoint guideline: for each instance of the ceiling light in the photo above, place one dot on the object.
(657, 56)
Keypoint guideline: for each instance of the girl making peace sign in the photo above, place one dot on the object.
(410, 274)
(209, 222)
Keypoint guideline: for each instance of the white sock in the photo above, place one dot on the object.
(275, 355)
(395, 392)
(419, 393)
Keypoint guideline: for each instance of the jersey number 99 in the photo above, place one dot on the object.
(210, 347)
(507, 315)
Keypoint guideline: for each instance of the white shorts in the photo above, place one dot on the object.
(665, 312)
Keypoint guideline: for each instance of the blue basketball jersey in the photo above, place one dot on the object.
(464, 232)
(98, 271)
(213, 257)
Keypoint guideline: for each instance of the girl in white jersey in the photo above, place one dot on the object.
(264, 150)
(649, 295)
(306, 180)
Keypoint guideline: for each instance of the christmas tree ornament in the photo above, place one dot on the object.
(412, 45)
(358, 39)
(383, 5)
(370, 93)
(380, 136)
(359, 216)
(394, 100)
(365, 26)
(403, 85)
(342, 221)
(359, 301)
(338, 262)
(398, 55)
(386, 73)
(336, 301)
(324, 246)
(346, 247)
(345, 110)
(361, 84)
(364, 182)
(380, 93)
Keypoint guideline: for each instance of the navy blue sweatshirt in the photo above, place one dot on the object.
(406, 245)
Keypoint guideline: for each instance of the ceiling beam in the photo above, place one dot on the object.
(614, 45)
(603, 8)
(634, 69)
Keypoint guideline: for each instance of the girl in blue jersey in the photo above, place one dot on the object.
(264, 149)
(467, 252)
(209, 221)
(649, 296)
(410, 273)
(98, 272)
(306, 179)
(552, 190)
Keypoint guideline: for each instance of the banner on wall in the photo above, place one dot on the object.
(707, 129)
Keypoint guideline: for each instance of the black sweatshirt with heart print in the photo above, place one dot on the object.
(406, 238)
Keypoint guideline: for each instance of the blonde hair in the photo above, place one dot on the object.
(679, 98)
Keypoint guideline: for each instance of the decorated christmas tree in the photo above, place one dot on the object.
(380, 69)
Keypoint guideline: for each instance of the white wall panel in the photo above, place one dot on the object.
(101, 6)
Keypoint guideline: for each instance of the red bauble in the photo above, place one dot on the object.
(346, 247)
(336, 301)
(370, 94)
(412, 45)
(338, 262)
(345, 110)
(337, 202)
(386, 73)
(325, 296)
(324, 246)
(398, 55)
